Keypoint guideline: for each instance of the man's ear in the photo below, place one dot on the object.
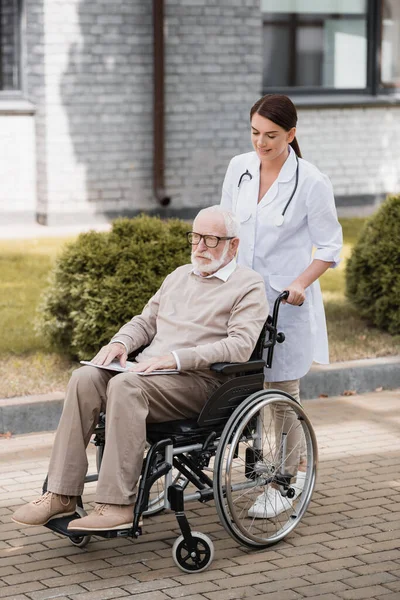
(235, 245)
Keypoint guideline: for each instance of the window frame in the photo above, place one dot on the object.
(19, 55)
(374, 86)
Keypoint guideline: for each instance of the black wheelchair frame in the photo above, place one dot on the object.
(237, 432)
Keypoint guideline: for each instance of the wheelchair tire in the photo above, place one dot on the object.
(250, 461)
(202, 558)
(81, 541)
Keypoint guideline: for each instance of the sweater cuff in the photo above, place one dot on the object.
(120, 342)
(176, 357)
(188, 359)
(125, 340)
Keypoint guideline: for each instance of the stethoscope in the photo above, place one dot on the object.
(280, 218)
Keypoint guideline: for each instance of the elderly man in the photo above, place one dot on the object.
(207, 312)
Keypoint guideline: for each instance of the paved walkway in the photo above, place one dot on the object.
(346, 548)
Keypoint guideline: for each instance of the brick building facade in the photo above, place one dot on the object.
(76, 130)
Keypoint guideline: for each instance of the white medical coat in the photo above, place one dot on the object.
(281, 254)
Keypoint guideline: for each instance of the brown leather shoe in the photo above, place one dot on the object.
(105, 517)
(47, 507)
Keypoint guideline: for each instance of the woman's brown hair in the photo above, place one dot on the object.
(279, 109)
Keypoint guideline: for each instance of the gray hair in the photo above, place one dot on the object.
(232, 223)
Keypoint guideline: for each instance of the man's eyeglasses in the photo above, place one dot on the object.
(211, 241)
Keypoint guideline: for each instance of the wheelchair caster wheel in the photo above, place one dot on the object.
(196, 561)
(81, 541)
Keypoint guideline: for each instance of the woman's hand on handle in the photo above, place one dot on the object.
(297, 294)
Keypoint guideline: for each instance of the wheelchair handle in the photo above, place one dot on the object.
(274, 336)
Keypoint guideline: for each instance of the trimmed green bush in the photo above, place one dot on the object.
(373, 270)
(102, 280)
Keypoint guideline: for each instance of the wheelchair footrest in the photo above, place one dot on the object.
(60, 525)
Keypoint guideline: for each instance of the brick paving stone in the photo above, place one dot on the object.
(50, 563)
(102, 595)
(363, 593)
(69, 579)
(286, 595)
(348, 542)
(369, 580)
(319, 589)
(241, 580)
(201, 588)
(327, 576)
(340, 563)
(250, 568)
(345, 552)
(280, 585)
(374, 557)
(24, 577)
(8, 571)
(54, 592)
(149, 586)
(229, 594)
(378, 567)
(195, 597)
(20, 589)
(112, 582)
(302, 559)
(130, 569)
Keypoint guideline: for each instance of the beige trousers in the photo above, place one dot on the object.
(286, 421)
(130, 401)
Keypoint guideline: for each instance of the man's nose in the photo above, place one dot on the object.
(202, 245)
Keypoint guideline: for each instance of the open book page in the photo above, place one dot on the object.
(115, 366)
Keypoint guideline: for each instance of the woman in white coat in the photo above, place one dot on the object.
(286, 209)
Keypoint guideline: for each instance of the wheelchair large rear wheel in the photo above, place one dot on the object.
(259, 495)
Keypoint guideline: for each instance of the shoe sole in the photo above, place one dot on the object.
(116, 528)
(58, 516)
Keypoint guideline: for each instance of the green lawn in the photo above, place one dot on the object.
(27, 365)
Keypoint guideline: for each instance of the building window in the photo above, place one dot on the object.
(390, 44)
(330, 46)
(10, 40)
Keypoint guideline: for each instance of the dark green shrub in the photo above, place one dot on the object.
(373, 270)
(102, 280)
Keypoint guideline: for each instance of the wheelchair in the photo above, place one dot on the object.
(235, 451)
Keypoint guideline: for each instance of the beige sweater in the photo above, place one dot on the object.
(204, 320)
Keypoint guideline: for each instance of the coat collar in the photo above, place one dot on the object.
(287, 172)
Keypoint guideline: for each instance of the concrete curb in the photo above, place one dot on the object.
(42, 412)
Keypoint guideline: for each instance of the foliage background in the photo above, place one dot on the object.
(103, 279)
(373, 269)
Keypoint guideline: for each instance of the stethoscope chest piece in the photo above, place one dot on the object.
(278, 221)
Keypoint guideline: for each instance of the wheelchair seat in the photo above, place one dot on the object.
(217, 409)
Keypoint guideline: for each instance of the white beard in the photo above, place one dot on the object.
(214, 265)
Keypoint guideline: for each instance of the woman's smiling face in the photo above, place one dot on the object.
(269, 139)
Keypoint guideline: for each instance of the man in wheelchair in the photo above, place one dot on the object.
(208, 312)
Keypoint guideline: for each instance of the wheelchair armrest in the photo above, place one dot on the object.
(231, 368)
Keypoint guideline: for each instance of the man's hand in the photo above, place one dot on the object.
(108, 353)
(158, 362)
(297, 294)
